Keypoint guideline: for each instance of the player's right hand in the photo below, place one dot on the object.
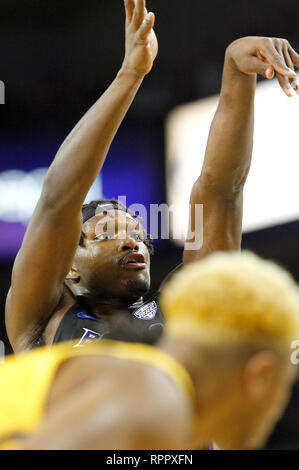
(266, 56)
(141, 41)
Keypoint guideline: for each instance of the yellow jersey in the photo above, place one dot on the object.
(25, 380)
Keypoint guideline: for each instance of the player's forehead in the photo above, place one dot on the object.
(113, 216)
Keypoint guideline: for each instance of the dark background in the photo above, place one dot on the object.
(57, 57)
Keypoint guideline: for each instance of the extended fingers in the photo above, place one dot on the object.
(276, 59)
(147, 25)
(294, 56)
(284, 81)
(129, 7)
(290, 64)
(285, 84)
(139, 13)
(295, 60)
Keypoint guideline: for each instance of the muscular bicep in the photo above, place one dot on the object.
(219, 228)
(39, 270)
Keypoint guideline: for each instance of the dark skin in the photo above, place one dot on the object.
(38, 295)
(100, 269)
(100, 272)
(50, 257)
(228, 155)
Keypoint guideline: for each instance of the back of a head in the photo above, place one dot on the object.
(235, 299)
(239, 314)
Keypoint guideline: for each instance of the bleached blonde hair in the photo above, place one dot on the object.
(233, 297)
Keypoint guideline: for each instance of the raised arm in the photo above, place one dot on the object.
(54, 230)
(228, 155)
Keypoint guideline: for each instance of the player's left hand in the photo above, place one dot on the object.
(266, 56)
(141, 40)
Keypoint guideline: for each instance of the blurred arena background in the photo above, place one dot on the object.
(56, 59)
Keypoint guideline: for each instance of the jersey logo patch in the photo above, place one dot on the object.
(88, 337)
(146, 312)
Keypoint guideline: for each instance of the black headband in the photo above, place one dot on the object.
(89, 211)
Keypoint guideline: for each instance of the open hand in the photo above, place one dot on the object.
(141, 41)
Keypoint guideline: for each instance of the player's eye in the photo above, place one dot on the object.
(104, 236)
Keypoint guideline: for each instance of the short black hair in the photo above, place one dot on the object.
(90, 210)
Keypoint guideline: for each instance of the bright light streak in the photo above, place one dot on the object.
(20, 191)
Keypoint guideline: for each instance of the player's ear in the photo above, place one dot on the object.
(259, 375)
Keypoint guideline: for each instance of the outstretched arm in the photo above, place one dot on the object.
(54, 230)
(228, 155)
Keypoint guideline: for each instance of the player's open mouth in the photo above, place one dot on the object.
(133, 261)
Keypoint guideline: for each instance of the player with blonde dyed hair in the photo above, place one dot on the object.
(241, 315)
(222, 371)
(238, 298)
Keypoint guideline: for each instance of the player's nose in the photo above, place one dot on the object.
(128, 244)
